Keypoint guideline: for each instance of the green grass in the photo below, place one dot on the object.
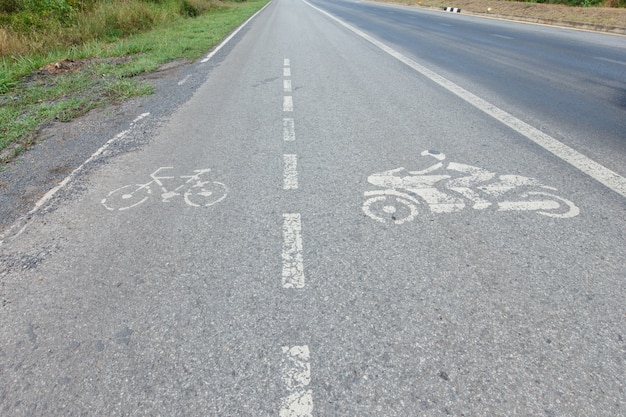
(29, 98)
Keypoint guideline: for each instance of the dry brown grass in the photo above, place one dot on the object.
(614, 17)
(11, 43)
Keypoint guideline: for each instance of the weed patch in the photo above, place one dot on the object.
(92, 62)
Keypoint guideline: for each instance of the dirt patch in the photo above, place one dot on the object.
(64, 170)
(68, 65)
(64, 66)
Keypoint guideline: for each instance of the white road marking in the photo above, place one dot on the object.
(610, 60)
(480, 187)
(232, 35)
(297, 377)
(609, 178)
(289, 131)
(293, 265)
(286, 62)
(287, 86)
(288, 103)
(184, 80)
(194, 190)
(290, 173)
(501, 36)
(67, 179)
(48, 196)
(286, 72)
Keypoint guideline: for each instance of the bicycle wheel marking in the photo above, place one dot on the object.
(452, 187)
(195, 190)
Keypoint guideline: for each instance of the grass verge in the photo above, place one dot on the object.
(65, 83)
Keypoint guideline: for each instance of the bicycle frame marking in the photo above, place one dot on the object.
(194, 191)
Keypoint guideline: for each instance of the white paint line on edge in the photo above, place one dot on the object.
(286, 62)
(288, 103)
(67, 179)
(232, 35)
(48, 196)
(501, 36)
(297, 377)
(293, 265)
(184, 80)
(290, 172)
(287, 86)
(600, 173)
(286, 72)
(610, 60)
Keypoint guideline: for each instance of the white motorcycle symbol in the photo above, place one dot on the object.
(406, 190)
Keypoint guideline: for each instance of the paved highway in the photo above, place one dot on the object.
(363, 210)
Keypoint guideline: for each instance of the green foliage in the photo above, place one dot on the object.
(128, 19)
(116, 39)
(10, 6)
(188, 9)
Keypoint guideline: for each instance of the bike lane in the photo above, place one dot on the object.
(128, 295)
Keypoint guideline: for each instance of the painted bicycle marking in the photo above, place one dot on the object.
(442, 189)
(194, 191)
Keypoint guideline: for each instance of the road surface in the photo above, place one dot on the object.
(362, 210)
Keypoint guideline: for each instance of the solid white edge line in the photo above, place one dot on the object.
(600, 173)
(232, 35)
(48, 195)
(67, 179)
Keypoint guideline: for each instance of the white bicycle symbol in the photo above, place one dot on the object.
(194, 190)
(403, 193)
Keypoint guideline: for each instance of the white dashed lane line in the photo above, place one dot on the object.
(289, 130)
(290, 174)
(297, 376)
(296, 370)
(293, 265)
(288, 103)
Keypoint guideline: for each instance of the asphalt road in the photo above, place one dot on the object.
(408, 216)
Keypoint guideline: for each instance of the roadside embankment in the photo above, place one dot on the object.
(601, 19)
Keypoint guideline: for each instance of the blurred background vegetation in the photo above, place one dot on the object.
(37, 26)
(62, 58)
